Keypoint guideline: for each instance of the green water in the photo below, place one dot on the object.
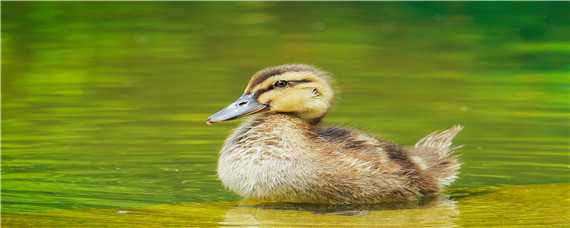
(104, 105)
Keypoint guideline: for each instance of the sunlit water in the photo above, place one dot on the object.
(104, 104)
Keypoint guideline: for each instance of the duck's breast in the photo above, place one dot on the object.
(264, 161)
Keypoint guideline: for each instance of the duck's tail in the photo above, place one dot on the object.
(434, 154)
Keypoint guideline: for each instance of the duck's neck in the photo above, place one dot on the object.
(282, 120)
(270, 131)
(281, 125)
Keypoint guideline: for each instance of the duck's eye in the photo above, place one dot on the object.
(280, 83)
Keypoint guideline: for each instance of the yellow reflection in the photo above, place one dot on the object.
(515, 205)
(439, 213)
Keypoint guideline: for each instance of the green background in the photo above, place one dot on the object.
(104, 104)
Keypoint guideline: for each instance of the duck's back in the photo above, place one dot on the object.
(358, 168)
(279, 158)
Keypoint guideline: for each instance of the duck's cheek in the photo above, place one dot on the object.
(268, 97)
(289, 103)
(316, 108)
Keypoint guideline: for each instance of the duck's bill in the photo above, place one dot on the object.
(243, 106)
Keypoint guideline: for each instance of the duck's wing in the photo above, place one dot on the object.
(347, 139)
(378, 163)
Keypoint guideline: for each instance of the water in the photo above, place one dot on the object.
(104, 105)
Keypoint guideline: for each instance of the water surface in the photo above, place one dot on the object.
(104, 104)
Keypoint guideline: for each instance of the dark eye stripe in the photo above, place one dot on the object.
(280, 83)
(265, 74)
(300, 81)
(269, 72)
(271, 87)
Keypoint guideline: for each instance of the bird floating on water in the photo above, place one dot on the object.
(283, 154)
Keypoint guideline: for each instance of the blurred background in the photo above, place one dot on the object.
(104, 104)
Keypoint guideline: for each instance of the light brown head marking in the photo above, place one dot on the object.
(298, 89)
(269, 72)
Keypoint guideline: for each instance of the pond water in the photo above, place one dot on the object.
(104, 105)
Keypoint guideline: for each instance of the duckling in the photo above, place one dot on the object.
(281, 153)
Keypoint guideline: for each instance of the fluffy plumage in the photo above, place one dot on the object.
(282, 154)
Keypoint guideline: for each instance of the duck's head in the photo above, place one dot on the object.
(298, 89)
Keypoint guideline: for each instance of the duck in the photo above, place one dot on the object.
(282, 152)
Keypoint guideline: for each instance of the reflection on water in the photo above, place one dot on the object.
(103, 104)
(522, 205)
(439, 213)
